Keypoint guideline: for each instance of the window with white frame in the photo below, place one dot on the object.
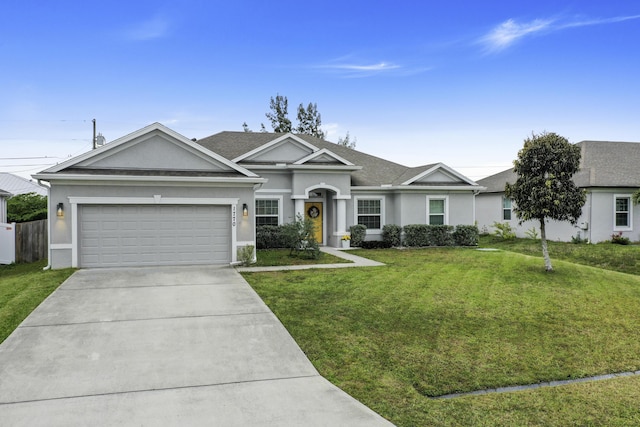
(267, 212)
(437, 210)
(369, 213)
(506, 209)
(622, 214)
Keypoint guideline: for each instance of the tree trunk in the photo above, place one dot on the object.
(545, 250)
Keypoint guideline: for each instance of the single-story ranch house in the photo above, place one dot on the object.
(610, 175)
(155, 197)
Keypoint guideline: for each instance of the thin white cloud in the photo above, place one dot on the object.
(351, 69)
(153, 28)
(381, 66)
(510, 32)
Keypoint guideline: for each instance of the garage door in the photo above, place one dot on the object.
(132, 235)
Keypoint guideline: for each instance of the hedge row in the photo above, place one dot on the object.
(415, 235)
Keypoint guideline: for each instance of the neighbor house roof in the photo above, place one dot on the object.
(14, 184)
(603, 164)
(375, 171)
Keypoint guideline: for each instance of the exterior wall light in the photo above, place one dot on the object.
(60, 210)
(245, 210)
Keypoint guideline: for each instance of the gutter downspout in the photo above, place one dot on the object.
(48, 266)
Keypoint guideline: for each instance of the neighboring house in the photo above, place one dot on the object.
(4, 195)
(610, 175)
(15, 185)
(155, 197)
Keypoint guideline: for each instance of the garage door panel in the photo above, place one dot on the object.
(130, 235)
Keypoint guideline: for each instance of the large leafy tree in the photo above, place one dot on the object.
(26, 207)
(544, 188)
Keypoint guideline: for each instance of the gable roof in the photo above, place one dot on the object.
(602, 164)
(111, 159)
(374, 171)
(14, 184)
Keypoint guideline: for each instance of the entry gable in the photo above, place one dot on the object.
(285, 149)
(153, 148)
(438, 174)
(324, 156)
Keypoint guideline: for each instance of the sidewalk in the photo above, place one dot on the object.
(356, 261)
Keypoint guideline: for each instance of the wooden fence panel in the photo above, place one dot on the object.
(31, 241)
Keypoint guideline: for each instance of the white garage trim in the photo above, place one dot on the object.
(74, 201)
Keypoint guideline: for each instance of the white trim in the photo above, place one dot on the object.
(270, 197)
(274, 190)
(266, 147)
(446, 208)
(141, 178)
(431, 170)
(61, 246)
(382, 211)
(629, 227)
(155, 200)
(320, 153)
(503, 208)
(417, 188)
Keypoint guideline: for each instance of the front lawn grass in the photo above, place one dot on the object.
(444, 320)
(22, 288)
(277, 257)
(622, 258)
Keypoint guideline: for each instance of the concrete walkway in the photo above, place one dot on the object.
(183, 346)
(356, 261)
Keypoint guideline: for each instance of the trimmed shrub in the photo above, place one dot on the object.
(391, 235)
(440, 235)
(271, 237)
(358, 233)
(415, 235)
(466, 235)
(375, 244)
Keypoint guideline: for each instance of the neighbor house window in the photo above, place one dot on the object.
(437, 210)
(369, 213)
(622, 212)
(506, 209)
(267, 212)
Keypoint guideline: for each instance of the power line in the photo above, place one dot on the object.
(30, 158)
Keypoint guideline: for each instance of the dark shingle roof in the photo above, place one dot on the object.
(603, 164)
(375, 171)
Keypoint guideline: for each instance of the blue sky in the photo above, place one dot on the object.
(458, 82)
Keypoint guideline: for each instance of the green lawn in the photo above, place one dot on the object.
(437, 321)
(277, 257)
(622, 258)
(22, 288)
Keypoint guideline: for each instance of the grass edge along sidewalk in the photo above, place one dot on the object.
(22, 288)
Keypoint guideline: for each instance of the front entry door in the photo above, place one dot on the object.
(313, 211)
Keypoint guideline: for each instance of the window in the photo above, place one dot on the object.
(370, 213)
(437, 210)
(267, 212)
(622, 212)
(506, 209)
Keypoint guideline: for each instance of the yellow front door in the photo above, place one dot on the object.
(313, 210)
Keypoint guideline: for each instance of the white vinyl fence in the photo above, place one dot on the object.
(7, 243)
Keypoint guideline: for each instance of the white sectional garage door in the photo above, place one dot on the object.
(146, 235)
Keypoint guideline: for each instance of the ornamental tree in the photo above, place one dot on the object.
(544, 188)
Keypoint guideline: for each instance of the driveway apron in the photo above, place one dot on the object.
(184, 346)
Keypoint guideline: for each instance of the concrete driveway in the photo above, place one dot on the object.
(185, 346)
